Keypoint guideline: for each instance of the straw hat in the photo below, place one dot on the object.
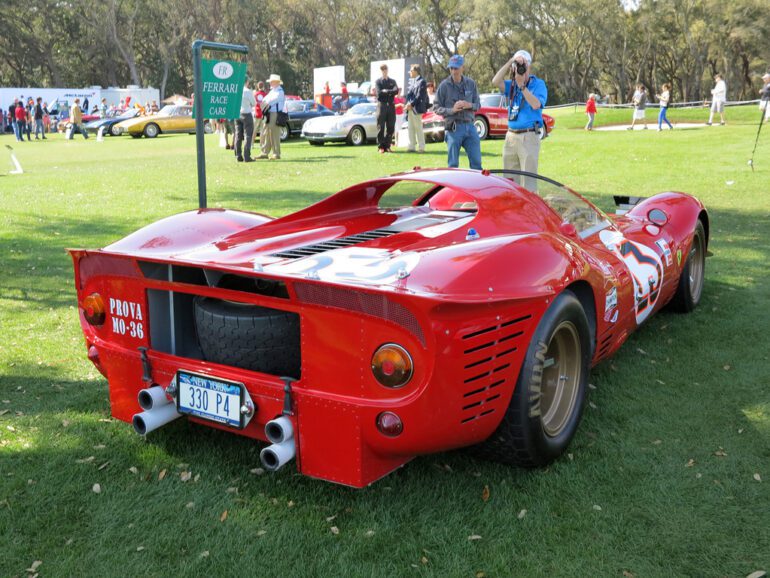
(275, 78)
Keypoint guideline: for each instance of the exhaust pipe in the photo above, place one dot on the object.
(279, 430)
(152, 398)
(278, 455)
(152, 419)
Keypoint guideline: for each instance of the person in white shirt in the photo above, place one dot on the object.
(274, 102)
(244, 126)
(718, 99)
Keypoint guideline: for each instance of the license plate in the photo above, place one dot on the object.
(210, 398)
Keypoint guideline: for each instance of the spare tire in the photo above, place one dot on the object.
(248, 336)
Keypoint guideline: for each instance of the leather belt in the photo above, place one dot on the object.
(523, 130)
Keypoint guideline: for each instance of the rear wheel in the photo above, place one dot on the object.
(151, 130)
(547, 404)
(114, 130)
(357, 136)
(284, 133)
(482, 127)
(690, 288)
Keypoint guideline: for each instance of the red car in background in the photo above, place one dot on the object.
(491, 119)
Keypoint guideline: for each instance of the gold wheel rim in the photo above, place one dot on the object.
(561, 378)
(696, 257)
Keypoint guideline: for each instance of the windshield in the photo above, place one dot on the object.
(167, 110)
(363, 109)
(295, 106)
(571, 207)
(492, 100)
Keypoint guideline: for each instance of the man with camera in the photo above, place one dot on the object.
(457, 100)
(527, 95)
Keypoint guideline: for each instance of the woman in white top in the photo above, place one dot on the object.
(664, 97)
(718, 98)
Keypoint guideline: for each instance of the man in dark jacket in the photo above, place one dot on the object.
(387, 89)
(416, 105)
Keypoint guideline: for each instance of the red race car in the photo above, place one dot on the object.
(410, 314)
(491, 119)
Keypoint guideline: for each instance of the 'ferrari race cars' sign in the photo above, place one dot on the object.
(222, 88)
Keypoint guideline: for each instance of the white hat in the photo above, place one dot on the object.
(523, 53)
(766, 75)
(275, 77)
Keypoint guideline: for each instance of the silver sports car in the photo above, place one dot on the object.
(356, 127)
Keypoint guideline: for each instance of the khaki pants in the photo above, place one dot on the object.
(259, 124)
(270, 141)
(416, 132)
(520, 153)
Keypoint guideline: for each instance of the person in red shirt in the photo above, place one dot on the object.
(21, 121)
(259, 118)
(591, 111)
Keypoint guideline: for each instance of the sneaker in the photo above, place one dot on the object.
(274, 158)
(708, 124)
(722, 123)
(262, 156)
(248, 160)
(228, 147)
(630, 128)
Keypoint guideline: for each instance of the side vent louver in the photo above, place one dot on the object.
(340, 243)
(486, 365)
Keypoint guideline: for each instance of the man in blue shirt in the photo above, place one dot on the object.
(527, 95)
(457, 99)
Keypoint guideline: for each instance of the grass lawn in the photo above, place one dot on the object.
(669, 474)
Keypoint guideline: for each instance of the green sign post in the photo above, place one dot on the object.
(222, 88)
(219, 90)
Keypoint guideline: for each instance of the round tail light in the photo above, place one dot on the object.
(389, 424)
(392, 365)
(93, 309)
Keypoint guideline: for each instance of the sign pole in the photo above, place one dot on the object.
(197, 47)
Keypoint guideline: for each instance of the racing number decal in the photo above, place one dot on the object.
(376, 266)
(127, 318)
(645, 267)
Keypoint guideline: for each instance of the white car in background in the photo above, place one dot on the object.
(356, 127)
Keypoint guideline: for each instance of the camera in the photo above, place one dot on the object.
(520, 67)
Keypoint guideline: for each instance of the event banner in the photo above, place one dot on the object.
(222, 88)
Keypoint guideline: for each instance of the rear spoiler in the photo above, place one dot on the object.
(625, 204)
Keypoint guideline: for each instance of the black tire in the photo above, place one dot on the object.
(482, 127)
(248, 336)
(316, 143)
(357, 136)
(114, 130)
(151, 130)
(690, 288)
(521, 438)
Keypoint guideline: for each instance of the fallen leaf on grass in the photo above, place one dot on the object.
(257, 471)
(657, 442)
(642, 351)
(291, 504)
(592, 405)
(591, 386)
(597, 507)
(571, 456)
(474, 537)
(34, 566)
(627, 574)
(104, 465)
(369, 533)
(133, 470)
(232, 490)
(185, 476)
(85, 460)
(223, 517)
(726, 368)
(65, 423)
(698, 476)
(190, 505)
(758, 477)
(522, 514)
(100, 447)
(335, 530)
(485, 494)
(720, 453)
(757, 574)
(161, 475)
(331, 518)
(10, 428)
(139, 548)
(96, 488)
(261, 532)
(480, 575)
(69, 542)
(197, 477)
(740, 431)
(690, 463)
(204, 554)
(5, 411)
(424, 560)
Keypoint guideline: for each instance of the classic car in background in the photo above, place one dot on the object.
(356, 127)
(491, 119)
(171, 118)
(110, 123)
(406, 315)
(299, 112)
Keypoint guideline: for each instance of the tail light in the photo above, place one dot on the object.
(93, 309)
(392, 365)
(389, 424)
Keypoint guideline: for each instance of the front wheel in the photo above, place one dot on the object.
(482, 127)
(151, 130)
(114, 130)
(547, 404)
(284, 133)
(357, 136)
(690, 288)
